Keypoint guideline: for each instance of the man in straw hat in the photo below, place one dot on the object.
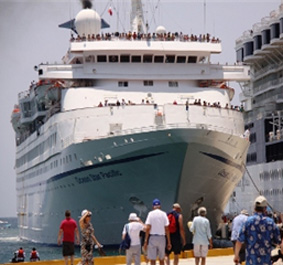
(259, 232)
(202, 238)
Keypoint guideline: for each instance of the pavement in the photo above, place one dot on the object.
(219, 260)
(223, 260)
(215, 257)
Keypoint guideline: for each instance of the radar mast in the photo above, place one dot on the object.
(137, 19)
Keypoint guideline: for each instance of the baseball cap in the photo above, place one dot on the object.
(261, 201)
(156, 202)
(133, 217)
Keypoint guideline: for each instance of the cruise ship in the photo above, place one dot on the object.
(261, 48)
(126, 118)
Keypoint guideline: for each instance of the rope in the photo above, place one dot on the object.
(153, 12)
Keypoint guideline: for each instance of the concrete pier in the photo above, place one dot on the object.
(221, 256)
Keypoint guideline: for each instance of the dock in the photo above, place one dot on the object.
(221, 256)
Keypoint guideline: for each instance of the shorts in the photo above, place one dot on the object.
(156, 247)
(200, 251)
(68, 248)
(176, 244)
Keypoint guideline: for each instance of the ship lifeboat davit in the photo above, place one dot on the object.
(88, 22)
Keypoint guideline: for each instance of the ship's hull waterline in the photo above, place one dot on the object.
(191, 166)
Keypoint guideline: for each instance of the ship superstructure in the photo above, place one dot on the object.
(262, 49)
(127, 117)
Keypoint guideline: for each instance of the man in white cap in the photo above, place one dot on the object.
(156, 229)
(202, 238)
(134, 227)
(259, 232)
(237, 223)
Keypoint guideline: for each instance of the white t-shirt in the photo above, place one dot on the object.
(158, 220)
(134, 229)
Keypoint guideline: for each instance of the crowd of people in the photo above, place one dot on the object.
(132, 36)
(197, 102)
(162, 233)
(218, 105)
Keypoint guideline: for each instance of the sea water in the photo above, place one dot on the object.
(10, 242)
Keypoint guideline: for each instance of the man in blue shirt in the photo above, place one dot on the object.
(259, 232)
(237, 224)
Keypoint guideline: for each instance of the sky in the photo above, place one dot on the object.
(29, 35)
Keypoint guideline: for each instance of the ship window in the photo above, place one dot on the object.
(136, 59)
(173, 84)
(170, 59)
(75, 156)
(181, 59)
(192, 59)
(240, 55)
(123, 83)
(124, 58)
(90, 59)
(148, 83)
(147, 58)
(265, 36)
(274, 152)
(101, 58)
(70, 158)
(158, 59)
(113, 58)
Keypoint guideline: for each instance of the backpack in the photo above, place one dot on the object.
(126, 243)
(173, 222)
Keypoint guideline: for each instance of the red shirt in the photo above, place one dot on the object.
(68, 226)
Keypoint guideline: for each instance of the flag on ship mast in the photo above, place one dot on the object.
(110, 11)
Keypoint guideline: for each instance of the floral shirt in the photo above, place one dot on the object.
(259, 232)
(87, 234)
